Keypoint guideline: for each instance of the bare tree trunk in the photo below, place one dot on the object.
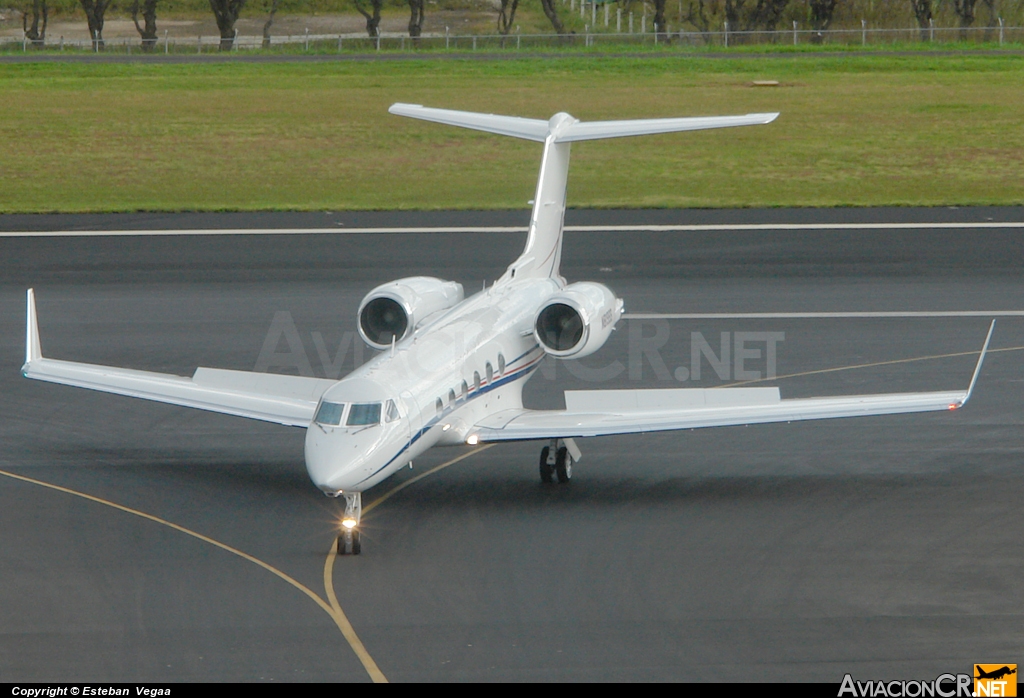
(226, 13)
(659, 19)
(148, 33)
(766, 14)
(507, 15)
(94, 13)
(372, 16)
(923, 13)
(965, 12)
(551, 11)
(698, 17)
(34, 34)
(821, 16)
(416, 8)
(269, 23)
(733, 15)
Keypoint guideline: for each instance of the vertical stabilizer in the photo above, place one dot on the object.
(543, 252)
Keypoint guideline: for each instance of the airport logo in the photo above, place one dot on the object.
(995, 680)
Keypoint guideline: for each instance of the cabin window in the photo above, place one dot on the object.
(476, 380)
(490, 372)
(501, 364)
(364, 414)
(329, 413)
(439, 405)
(451, 397)
(465, 390)
(391, 411)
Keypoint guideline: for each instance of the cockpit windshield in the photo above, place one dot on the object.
(364, 414)
(329, 413)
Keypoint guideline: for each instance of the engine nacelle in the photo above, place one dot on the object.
(394, 310)
(577, 320)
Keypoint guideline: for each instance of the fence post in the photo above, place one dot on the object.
(307, 39)
(24, 43)
(794, 32)
(583, 8)
(863, 32)
(446, 37)
(606, 14)
(128, 46)
(519, 38)
(378, 40)
(727, 33)
(62, 42)
(643, 24)
(931, 30)
(234, 40)
(474, 42)
(630, 22)
(96, 41)
(403, 43)
(339, 43)
(166, 49)
(1000, 31)
(199, 44)
(618, 20)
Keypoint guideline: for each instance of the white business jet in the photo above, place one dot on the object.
(452, 368)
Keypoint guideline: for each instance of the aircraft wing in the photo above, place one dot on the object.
(288, 400)
(609, 412)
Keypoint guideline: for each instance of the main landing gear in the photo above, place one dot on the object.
(348, 539)
(557, 460)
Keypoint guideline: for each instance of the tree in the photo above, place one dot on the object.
(659, 18)
(416, 8)
(551, 11)
(269, 23)
(821, 16)
(148, 33)
(34, 34)
(923, 13)
(372, 16)
(507, 15)
(965, 12)
(94, 13)
(766, 14)
(226, 13)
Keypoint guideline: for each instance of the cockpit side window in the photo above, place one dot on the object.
(390, 411)
(329, 413)
(365, 414)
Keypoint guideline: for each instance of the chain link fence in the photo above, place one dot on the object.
(998, 35)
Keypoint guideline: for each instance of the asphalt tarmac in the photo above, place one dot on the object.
(888, 547)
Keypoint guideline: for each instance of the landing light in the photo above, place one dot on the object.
(954, 406)
(446, 427)
(349, 523)
(473, 440)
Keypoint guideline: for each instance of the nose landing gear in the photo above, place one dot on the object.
(348, 539)
(556, 460)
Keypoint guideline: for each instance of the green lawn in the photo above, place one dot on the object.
(856, 130)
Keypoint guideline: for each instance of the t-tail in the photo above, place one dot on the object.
(543, 251)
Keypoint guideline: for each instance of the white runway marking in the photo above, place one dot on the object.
(802, 316)
(520, 229)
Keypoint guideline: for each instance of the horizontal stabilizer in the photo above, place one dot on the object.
(567, 129)
(530, 129)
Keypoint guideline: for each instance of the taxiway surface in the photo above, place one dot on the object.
(889, 547)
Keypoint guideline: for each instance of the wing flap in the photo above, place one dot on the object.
(520, 425)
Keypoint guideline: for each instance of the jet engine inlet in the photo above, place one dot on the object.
(559, 327)
(383, 319)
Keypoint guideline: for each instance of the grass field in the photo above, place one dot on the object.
(856, 130)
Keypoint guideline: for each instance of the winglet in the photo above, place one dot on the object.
(977, 369)
(32, 349)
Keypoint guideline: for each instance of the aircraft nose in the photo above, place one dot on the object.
(339, 460)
